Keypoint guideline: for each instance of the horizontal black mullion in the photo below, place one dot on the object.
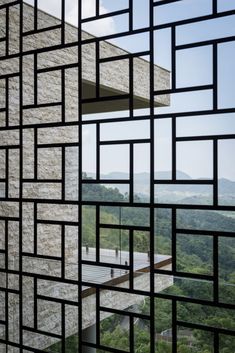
(114, 288)
(54, 181)
(54, 278)
(113, 36)
(49, 334)
(57, 68)
(41, 105)
(13, 3)
(195, 113)
(114, 120)
(8, 290)
(184, 181)
(180, 274)
(59, 144)
(159, 205)
(47, 49)
(2, 322)
(124, 142)
(40, 50)
(57, 300)
(8, 218)
(2, 39)
(164, 2)
(124, 56)
(205, 43)
(102, 347)
(106, 181)
(48, 221)
(124, 227)
(205, 232)
(125, 313)
(40, 30)
(46, 125)
(105, 264)
(105, 15)
(115, 203)
(183, 89)
(205, 137)
(20, 346)
(46, 257)
(42, 201)
(11, 147)
(192, 20)
(105, 98)
(13, 74)
(183, 299)
(206, 328)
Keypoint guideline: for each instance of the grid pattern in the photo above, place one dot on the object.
(53, 79)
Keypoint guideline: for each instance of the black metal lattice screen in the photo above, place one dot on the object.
(107, 243)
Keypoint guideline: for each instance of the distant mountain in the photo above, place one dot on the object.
(226, 186)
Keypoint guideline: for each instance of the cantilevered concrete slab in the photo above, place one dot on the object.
(51, 294)
(113, 76)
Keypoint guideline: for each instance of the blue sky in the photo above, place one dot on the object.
(193, 67)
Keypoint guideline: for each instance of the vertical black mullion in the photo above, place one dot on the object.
(174, 303)
(131, 185)
(97, 233)
(35, 293)
(63, 329)
(7, 293)
(173, 240)
(6, 173)
(130, 15)
(131, 87)
(131, 258)
(98, 152)
(97, 5)
(97, 64)
(7, 101)
(35, 235)
(215, 77)
(35, 79)
(132, 334)
(215, 172)
(151, 90)
(216, 268)
(35, 154)
(7, 31)
(21, 180)
(35, 15)
(214, 6)
(173, 147)
(62, 22)
(80, 175)
(173, 58)
(63, 172)
(216, 342)
(63, 251)
(63, 95)
(97, 317)
(174, 326)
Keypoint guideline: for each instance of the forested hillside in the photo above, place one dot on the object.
(194, 255)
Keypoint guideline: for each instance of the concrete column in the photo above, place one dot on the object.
(89, 336)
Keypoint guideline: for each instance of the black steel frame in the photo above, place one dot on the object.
(151, 206)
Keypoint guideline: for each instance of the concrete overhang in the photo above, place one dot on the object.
(114, 76)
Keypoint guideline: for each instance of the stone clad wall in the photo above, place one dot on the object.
(49, 140)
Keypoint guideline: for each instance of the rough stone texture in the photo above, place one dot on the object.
(113, 75)
(113, 80)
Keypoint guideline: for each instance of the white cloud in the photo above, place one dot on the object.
(98, 28)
